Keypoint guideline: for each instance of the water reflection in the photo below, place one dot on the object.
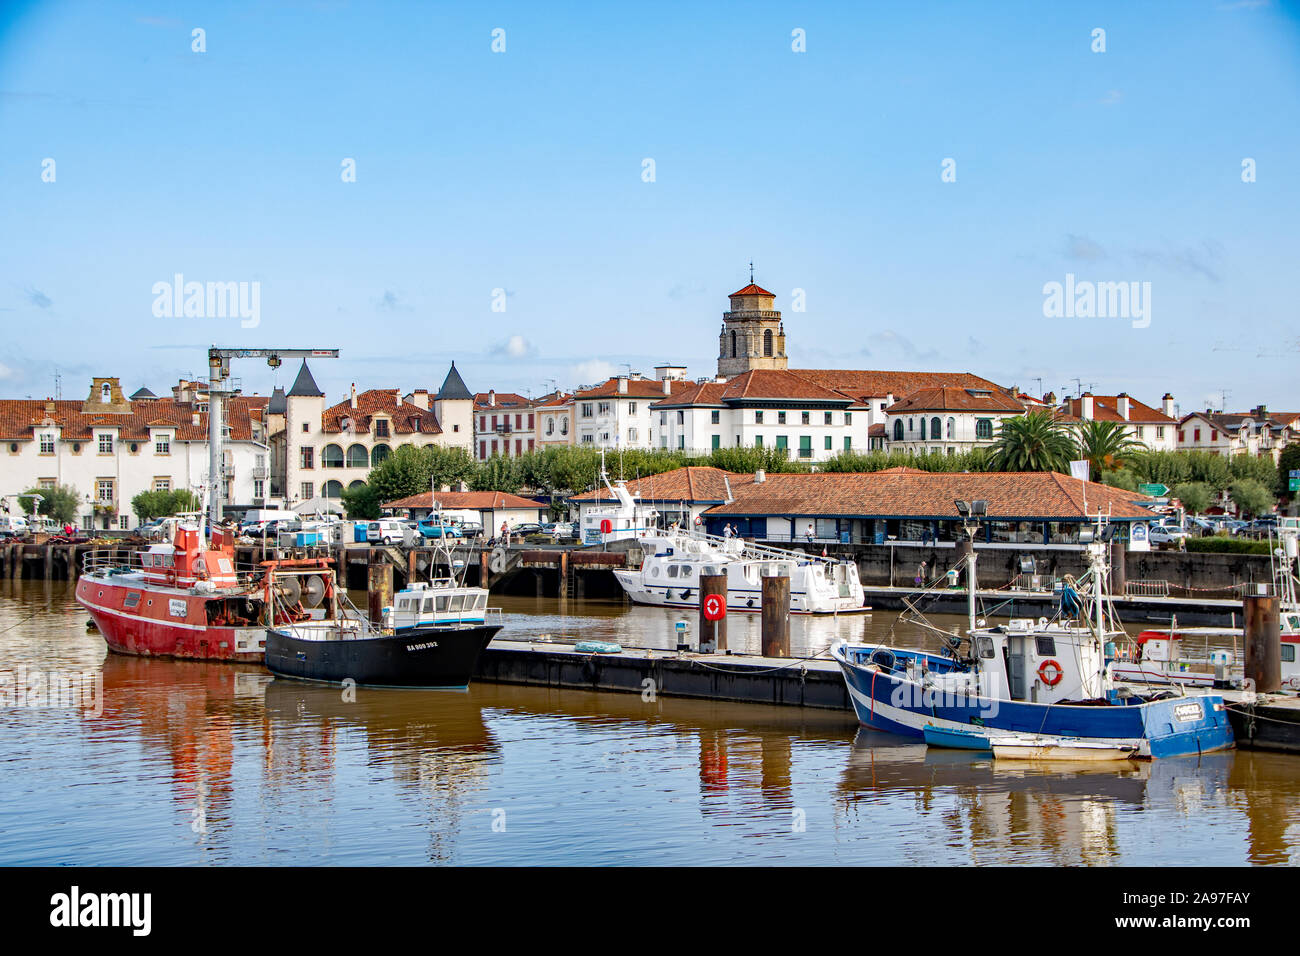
(194, 762)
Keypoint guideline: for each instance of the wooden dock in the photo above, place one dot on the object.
(743, 678)
(1269, 722)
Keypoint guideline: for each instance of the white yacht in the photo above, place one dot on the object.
(669, 575)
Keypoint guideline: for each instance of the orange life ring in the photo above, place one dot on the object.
(1052, 668)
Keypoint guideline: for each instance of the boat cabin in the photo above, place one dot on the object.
(437, 603)
(185, 563)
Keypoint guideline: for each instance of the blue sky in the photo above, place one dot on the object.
(522, 171)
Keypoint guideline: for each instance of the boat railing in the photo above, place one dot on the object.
(744, 548)
(111, 561)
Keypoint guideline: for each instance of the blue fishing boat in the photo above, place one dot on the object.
(1030, 677)
(956, 738)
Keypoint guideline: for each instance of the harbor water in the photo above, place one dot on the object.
(171, 763)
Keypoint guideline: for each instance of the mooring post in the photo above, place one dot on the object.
(1263, 640)
(1118, 573)
(484, 580)
(713, 613)
(776, 616)
(564, 575)
(379, 589)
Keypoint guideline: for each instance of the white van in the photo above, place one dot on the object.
(256, 519)
(387, 531)
(14, 524)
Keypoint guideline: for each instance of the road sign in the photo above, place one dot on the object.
(1154, 490)
(1295, 473)
(715, 607)
(1295, 484)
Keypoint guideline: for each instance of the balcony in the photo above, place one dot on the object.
(259, 471)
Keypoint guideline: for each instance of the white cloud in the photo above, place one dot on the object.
(5, 372)
(516, 346)
(593, 371)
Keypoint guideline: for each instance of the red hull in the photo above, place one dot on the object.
(151, 621)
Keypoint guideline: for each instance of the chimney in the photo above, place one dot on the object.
(622, 385)
(420, 398)
(760, 476)
(668, 386)
(49, 407)
(492, 398)
(1167, 405)
(1085, 406)
(353, 400)
(1049, 398)
(1259, 411)
(194, 418)
(1123, 405)
(397, 396)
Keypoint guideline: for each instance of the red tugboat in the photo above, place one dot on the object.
(186, 600)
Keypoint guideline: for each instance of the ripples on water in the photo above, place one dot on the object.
(207, 763)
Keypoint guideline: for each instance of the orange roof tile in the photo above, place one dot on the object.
(375, 401)
(467, 501)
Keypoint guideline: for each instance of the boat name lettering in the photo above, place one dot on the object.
(176, 607)
(1189, 711)
(426, 646)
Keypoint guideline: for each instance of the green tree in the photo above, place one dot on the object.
(1196, 496)
(1256, 467)
(498, 473)
(1250, 496)
(60, 503)
(411, 471)
(1104, 445)
(1035, 441)
(749, 460)
(1288, 462)
(1161, 467)
(362, 502)
(148, 505)
(1120, 478)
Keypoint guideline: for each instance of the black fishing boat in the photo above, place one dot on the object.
(441, 656)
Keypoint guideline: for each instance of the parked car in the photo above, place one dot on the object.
(430, 528)
(1166, 534)
(386, 531)
(471, 529)
(526, 528)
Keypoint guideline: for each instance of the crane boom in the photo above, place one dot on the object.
(218, 375)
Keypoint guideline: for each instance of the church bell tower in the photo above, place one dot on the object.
(752, 334)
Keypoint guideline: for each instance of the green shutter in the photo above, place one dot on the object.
(717, 441)
(781, 442)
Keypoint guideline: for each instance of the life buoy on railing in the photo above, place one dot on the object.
(1050, 673)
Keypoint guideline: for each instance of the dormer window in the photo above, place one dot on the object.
(381, 427)
(106, 444)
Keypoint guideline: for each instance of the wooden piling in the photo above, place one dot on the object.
(713, 634)
(1118, 572)
(776, 616)
(1263, 642)
(379, 589)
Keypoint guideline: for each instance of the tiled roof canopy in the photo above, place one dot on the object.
(467, 500)
(20, 418)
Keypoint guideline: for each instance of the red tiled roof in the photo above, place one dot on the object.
(950, 398)
(1105, 408)
(503, 400)
(751, 289)
(636, 388)
(467, 501)
(20, 417)
(906, 492)
(864, 385)
(376, 401)
(693, 483)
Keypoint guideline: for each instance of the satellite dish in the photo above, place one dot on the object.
(313, 590)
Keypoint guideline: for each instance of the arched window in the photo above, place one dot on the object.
(767, 343)
(379, 453)
(983, 428)
(550, 425)
(922, 429)
(358, 457)
(356, 484)
(733, 344)
(936, 430)
(333, 489)
(952, 428)
(898, 429)
(331, 456)
(564, 426)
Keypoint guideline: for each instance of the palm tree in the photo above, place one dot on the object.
(1035, 441)
(1104, 445)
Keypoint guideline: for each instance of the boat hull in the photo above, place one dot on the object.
(1173, 727)
(435, 657)
(738, 600)
(146, 621)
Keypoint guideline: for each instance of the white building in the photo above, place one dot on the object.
(321, 450)
(1157, 429)
(110, 448)
(948, 420)
(1257, 432)
(616, 414)
(505, 423)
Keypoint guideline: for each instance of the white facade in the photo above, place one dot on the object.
(810, 434)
